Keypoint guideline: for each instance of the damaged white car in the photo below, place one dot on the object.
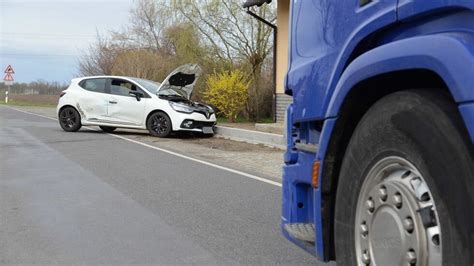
(112, 102)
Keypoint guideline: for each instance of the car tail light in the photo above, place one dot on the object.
(62, 94)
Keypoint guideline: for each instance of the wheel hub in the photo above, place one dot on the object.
(389, 228)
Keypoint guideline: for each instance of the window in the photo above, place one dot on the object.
(150, 86)
(94, 85)
(123, 87)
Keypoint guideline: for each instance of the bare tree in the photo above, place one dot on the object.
(233, 36)
(99, 58)
(148, 19)
(140, 63)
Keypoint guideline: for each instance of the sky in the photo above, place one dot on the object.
(44, 39)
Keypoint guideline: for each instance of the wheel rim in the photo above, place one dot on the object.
(68, 118)
(159, 124)
(396, 218)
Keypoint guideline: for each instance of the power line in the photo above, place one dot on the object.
(46, 55)
(48, 34)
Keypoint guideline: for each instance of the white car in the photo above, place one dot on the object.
(112, 102)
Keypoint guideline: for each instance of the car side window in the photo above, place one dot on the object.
(123, 88)
(94, 85)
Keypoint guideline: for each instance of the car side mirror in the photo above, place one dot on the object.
(137, 94)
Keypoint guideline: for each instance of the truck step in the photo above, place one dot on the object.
(301, 231)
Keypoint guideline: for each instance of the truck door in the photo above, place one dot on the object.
(323, 35)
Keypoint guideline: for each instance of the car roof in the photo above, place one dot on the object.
(133, 79)
(105, 76)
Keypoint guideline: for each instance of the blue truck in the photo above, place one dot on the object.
(379, 168)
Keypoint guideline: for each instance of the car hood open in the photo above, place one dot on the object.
(181, 81)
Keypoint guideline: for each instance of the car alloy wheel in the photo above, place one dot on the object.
(69, 119)
(159, 124)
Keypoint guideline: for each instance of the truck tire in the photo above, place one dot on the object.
(405, 194)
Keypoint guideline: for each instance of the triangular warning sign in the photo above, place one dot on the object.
(9, 70)
(8, 77)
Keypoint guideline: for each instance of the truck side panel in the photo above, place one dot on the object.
(413, 8)
(323, 35)
(324, 69)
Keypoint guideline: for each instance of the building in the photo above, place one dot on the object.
(283, 17)
(281, 53)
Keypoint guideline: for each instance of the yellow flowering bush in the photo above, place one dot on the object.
(228, 91)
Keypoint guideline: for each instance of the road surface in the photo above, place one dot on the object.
(90, 197)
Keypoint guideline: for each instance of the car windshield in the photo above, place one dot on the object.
(150, 86)
(169, 90)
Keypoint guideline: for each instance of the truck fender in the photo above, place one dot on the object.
(449, 54)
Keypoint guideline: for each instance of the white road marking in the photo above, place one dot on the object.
(261, 179)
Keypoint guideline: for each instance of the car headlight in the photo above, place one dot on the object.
(178, 107)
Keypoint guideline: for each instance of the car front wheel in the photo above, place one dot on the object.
(69, 119)
(405, 192)
(159, 125)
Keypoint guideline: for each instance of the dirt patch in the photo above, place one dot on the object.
(248, 126)
(229, 145)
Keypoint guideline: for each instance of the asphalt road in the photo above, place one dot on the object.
(89, 197)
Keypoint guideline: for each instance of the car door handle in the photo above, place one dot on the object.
(113, 102)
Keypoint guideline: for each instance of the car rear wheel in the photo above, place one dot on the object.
(159, 125)
(404, 194)
(69, 119)
(108, 129)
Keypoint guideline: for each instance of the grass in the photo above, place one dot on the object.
(35, 100)
(245, 120)
(26, 103)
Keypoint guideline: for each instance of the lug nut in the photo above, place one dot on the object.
(370, 205)
(409, 225)
(411, 257)
(383, 193)
(397, 198)
(366, 257)
(364, 229)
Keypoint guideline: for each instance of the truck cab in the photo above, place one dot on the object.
(379, 166)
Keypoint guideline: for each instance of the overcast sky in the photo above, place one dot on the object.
(43, 39)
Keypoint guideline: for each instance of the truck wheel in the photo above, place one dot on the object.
(405, 194)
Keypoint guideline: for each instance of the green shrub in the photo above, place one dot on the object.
(228, 91)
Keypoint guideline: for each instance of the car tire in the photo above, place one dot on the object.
(108, 129)
(409, 149)
(69, 119)
(159, 125)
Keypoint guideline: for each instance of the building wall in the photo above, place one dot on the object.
(282, 100)
(283, 12)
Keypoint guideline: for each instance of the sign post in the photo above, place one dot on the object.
(8, 79)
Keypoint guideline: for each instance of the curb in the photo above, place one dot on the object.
(250, 136)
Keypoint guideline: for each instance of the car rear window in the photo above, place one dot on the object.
(94, 85)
